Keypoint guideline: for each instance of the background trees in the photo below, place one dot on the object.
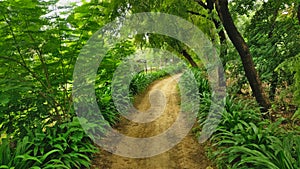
(208, 16)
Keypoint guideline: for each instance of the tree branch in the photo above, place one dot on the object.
(42, 60)
(22, 63)
(216, 23)
(189, 58)
(47, 97)
(298, 13)
(201, 3)
(197, 13)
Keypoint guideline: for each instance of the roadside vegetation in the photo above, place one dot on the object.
(258, 42)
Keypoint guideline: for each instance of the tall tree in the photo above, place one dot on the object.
(298, 13)
(244, 52)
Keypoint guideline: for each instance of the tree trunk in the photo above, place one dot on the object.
(274, 79)
(189, 58)
(222, 37)
(223, 52)
(244, 52)
(298, 13)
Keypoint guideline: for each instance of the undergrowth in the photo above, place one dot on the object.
(243, 138)
(60, 146)
(65, 144)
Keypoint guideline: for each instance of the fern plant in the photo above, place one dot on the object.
(60, 146)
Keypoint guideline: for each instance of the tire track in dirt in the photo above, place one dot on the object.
(188, 154)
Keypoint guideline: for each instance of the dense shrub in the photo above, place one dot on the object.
(142, 80)
(243, 139)
(60, 146)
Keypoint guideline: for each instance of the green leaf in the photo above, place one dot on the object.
(27, 157)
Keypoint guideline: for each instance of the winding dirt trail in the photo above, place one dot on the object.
(188, 154)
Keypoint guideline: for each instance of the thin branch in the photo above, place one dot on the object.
(34, 75)
(45, 68)
(24, 66)
(215, 21)
(298, 13)
(40, 55)
(55, 105)
(75, 48)
(217, 24)
(201, 3)
(23, 63)
(197, 13)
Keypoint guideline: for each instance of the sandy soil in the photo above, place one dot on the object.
(188, 154)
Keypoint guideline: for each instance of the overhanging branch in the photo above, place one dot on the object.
(201, 3)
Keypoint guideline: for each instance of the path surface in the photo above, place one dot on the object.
(188, 154)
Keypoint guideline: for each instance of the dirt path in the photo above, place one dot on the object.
(188, 154)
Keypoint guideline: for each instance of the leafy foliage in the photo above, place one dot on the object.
(292, 65)
(244, 139)
(141, 81)
(39, 48)
(38, 53)
(59, 146)
(272, 33)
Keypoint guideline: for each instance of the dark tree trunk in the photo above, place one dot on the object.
(244, 52)
(298, 13)
(210, 4)
(223, 52)
(222, 38)
(221, 33)
(274, 79)
(189, 58)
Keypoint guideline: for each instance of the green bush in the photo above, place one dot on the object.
(281, 152)
(138, 84)
(243, 139)
(292, 66)
(142, 80)
(60, 146)
(106, 105)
